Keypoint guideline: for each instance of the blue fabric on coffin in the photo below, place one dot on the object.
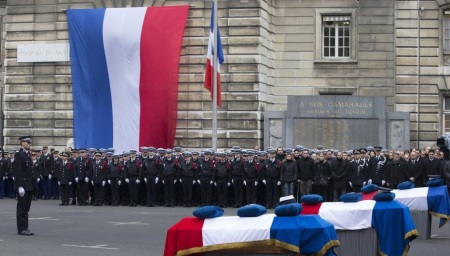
(369, 188)
(439, 203)
(380, 197)
(251, 210)
(394, 226)
(308, 234)
(311, 199)
(207, 212)
(406, 185)
(350, 197)
(292, 209)
(435, 183)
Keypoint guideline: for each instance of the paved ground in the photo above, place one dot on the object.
(88, 230)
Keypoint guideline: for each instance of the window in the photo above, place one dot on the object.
(446, 113)
(336, 36)
(447, 29)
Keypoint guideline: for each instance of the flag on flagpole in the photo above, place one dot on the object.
(209, 72)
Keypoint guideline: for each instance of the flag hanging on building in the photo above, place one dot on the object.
(125, 75)
(209, 72)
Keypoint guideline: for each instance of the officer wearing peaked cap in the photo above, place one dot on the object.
(23, 173)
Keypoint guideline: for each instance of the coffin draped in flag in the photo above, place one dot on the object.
(125, 75)
(308, 235)
(209, 72)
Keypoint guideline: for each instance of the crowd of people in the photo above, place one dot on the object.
(232, 178)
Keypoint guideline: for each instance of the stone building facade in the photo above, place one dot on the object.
(273, 48)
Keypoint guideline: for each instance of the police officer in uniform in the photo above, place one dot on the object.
(46, 162)
(223, 179)
(82, 170)
(132, 177)
(188, 171)
(65, 178)
(2, 176)
(152, 172)
(250, 176)
(207, 171)
(36, 168)
(169, 175)
(115, 175)
(98, 178)
(23, 173)
(271, 178)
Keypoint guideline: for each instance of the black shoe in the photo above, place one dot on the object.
(62, 204)
(74, 202)
(26, 233)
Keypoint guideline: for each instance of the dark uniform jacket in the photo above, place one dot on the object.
(36, 168)
(152, 167)
(82, 167)
(322, 172)
(251, 169)
(414, 169)
(238, 168)
(223, 172)
(66, 173)
(272, 169)
(377, 165)
(358, 172)
(2, 168)
(431, 167)
(133, 170)
(169, 169)
(22, 170)
(394, 173)
(188, 170)
(115, 171)
(55, 165)
(288, 171)
(46, 162)
(98, 171)
(305, 168)
(207, 169)
(339, 173)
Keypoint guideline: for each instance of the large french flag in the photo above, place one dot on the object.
(125, 75)
(209, 72)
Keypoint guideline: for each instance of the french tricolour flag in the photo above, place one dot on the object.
(125, 75)
(209, 72)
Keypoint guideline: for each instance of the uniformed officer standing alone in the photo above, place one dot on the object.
(22, 171)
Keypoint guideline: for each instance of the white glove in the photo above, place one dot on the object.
(13, 178)
(215, 184)
(127, 180)
(229, 184)
(38, 179)
(119, 182)
(21, 191)
(86, 179)
(59, 183)
(138, 181)
(156, 180)
(279, 183)
(211, 182)
(350, 183)
(232, 181)
(198, 181)
(70, 183)
(103, 183)
(4, 178)
(245, 183)
(175, 182)
(76, 179)
(370, 181)
(145, 179)
(163, 181)
(364, 183)
(193, 182)
(383, 182)
(92, 183)
(109, 182)
(264, 181)
(50, 176)
(256, 183)
(180, 180)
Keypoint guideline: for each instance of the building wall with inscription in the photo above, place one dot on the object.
(273, 49)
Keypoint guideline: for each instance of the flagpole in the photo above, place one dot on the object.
(215, 66)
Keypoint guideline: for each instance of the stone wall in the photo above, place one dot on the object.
(272, 50)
